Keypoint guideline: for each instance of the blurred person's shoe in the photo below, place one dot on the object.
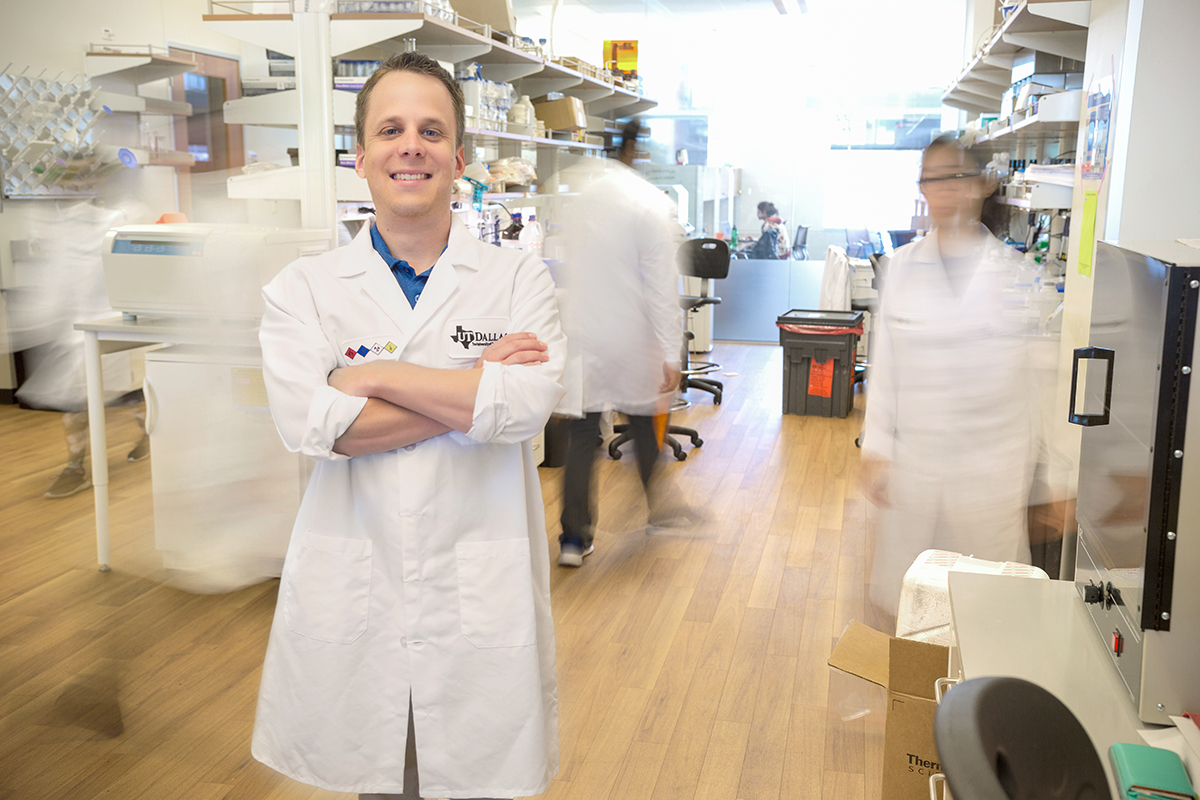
(570, 554)
(141, 450)
(73, 480)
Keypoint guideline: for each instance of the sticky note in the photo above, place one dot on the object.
(1087, 233)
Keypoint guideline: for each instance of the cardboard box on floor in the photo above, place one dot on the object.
(564, 114)
(908, 670)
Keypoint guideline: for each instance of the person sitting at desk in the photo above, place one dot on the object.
(773, 243)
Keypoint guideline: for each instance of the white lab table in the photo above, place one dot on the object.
(111, 335)
(1039, 630)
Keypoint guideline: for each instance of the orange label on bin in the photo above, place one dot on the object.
(820, 378)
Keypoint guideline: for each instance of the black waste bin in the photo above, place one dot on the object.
(818, 361)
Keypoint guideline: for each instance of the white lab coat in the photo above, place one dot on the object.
(952, 405)
(622, 310)
(424, 569)
(837, 281)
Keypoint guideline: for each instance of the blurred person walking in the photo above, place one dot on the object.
(952, 431)
(69, 288)
(623, 330)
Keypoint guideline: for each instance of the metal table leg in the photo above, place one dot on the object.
(99, 444)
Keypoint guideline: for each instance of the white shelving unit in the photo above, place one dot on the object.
(1056, 28)
(315, 39)
(282, 109)
(135, 67)
(1042, 197)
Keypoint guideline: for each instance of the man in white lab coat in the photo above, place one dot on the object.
(413, 636)
(624, 321)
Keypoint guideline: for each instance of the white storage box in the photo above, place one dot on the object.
(924, 613)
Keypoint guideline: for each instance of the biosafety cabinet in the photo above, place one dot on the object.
(1139, 471)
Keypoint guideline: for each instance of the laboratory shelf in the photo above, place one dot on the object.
(507, 64)
(157, 105)
(134, 63)
(377, 36)
(171, 158)
(273, 31)
(536, 140)
(287, 183)
(552, 78)
(1042, 197)
(1031, 128)
(119, 103)
(489, 134)
(1042, 27)
(547, 142)
(282, 109)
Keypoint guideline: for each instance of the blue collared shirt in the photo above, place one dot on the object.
(410, 282)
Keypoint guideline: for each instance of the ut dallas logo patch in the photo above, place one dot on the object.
(468, 338)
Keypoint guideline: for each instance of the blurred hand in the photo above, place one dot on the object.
(873, 474)
(515, 348)
(671, 377)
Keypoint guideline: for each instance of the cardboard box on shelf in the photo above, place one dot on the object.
(908, 670)
(565, 114)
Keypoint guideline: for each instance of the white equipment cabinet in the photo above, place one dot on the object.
(226, 491)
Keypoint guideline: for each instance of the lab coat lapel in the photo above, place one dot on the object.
(364, 269)
(445, 277)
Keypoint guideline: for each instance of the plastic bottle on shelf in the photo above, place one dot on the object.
(733, 239)
(531, 236)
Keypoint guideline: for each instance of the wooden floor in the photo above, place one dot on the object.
(691, 663)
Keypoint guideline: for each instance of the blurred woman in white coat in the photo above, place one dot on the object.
(952, 434)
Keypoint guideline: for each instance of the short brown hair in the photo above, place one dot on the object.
(422, 65)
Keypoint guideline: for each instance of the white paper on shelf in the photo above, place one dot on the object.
(1191, 735)
(1058, 174)
(1179, 740)
(1190, 242)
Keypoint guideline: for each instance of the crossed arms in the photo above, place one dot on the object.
(408, 403)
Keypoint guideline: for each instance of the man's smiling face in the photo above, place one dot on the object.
(408, 155)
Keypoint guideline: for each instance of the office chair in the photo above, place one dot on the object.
(858, 242)
(697, 258)
(800, 243)
(707, 259)
(901, 238)
(1009, 739)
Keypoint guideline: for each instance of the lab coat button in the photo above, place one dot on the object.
(403, 642)
(408, 448)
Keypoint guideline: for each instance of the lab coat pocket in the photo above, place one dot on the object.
(328, 588)
(495, 593)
